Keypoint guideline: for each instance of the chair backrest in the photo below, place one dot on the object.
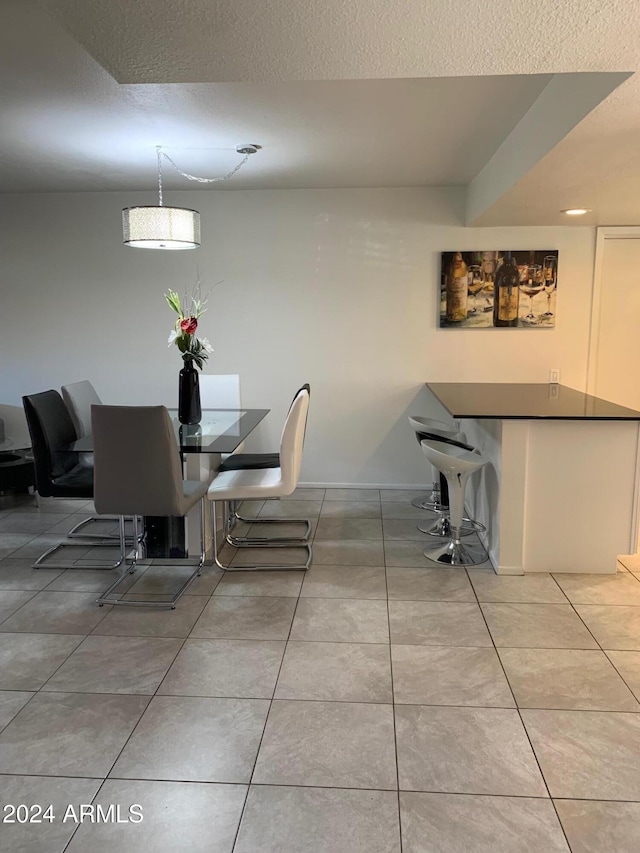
(220, 391)
(306, 387)
(137, 467)
(16, 431)
(79, 397)
(292, 439)
(51, 430)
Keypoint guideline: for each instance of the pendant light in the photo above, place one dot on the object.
(160, 227)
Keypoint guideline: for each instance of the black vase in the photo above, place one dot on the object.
(189, 408)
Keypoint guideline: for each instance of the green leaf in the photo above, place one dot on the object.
(173, 301)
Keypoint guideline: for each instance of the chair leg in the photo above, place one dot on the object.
(104, 598)
(75, 533)
(265, 541)
(256, 567)
(268, 541)
(39, 563)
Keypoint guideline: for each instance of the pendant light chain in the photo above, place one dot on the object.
(159, 175)
(196, 177)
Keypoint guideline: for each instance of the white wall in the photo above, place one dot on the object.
(335, 287)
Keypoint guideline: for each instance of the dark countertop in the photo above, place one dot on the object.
(525, 401)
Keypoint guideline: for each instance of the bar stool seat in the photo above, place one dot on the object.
(432, 428)
(457, 464)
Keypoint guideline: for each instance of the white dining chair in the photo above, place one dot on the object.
(221, 391)
(262, 483)
(78, 398)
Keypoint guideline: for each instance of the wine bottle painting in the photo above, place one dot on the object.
(499, 289)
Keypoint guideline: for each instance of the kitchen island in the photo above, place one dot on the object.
(560, 492)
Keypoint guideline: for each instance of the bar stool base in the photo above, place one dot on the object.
(424, 501)
(442, 527)
(456, 554)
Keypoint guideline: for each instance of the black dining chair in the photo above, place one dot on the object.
(59, 473)
(79, 397)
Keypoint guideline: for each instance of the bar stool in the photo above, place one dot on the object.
(457, 464)
(428, 428)
(438, 500)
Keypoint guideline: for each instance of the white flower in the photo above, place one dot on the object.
(205, 343)
(172, 336)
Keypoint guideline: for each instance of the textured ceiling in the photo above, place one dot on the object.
(178, 41)
(66, 121)
(67, 125)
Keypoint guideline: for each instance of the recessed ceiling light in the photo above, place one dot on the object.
(576, 211)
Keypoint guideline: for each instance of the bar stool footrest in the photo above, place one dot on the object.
(442, 527)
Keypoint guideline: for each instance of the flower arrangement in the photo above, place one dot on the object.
(184, 334)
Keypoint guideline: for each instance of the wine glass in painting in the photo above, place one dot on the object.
(475, 283)
(488, 274)
(550, 276)
(531, 283)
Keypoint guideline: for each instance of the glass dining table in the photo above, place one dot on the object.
(220, 431)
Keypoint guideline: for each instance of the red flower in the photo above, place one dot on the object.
(189, 325)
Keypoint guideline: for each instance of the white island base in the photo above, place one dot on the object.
(557, 495)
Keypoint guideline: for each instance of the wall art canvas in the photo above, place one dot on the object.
(499, 289)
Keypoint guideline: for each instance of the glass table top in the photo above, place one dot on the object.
(220, 431)
(11, 444)
(527, 401)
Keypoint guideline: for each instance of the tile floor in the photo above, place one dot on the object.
(376, 704)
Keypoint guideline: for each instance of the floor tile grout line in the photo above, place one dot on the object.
(151, 697)
(35, 592)
(328, 701)
(546, 785)
(595, 639)
(595, 576)
(28, 702)
(598, 604)
(558, 585)
(286, 785)
(606, 652)
(522, 723)
(42, 532)
(320, 787)
(28, 542)
(393, 714)
(434, 599)
(264, 728)
(608, 656)
(44, 684)
(335, 642)
(93, 799)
